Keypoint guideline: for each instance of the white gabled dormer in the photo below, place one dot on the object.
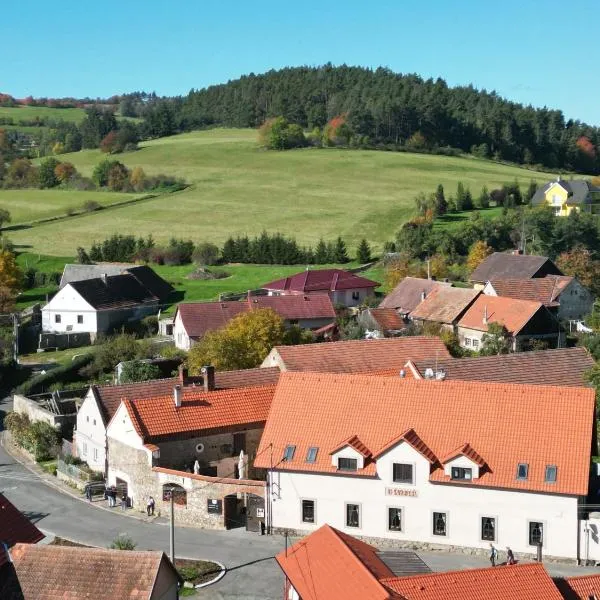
(350, 455)
(463, 464)
(122, 429)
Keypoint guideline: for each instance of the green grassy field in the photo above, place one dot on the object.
(28, 113)
(453, 220)
(239, 189)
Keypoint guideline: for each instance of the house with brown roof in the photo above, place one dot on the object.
(101, 402)
(409, 293)
(381, 322)
(343, 287)
(444, 306)
(355, 356)
(439, 463)
(561, 366)
(563, 296)
(194, 320)
(524, 320)
(329, 563)
(512, 265)
(52, 572)
(191, 437)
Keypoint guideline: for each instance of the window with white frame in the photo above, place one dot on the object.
(57, 318)
(308, 511)
(488, 529)
(403, 473)
(522, 471)
(475, 343)
(440, 523)
(462, 473)
(394, 519)
(347, 464)
(352, 515)
(80, 319)
(467, 341)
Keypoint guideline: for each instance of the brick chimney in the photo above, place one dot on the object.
(177, 396)
(208, 378)
(183, 374)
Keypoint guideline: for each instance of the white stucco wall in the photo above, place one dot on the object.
(68, 304)
(576, 302)
(465, 506)
(90, 436)
(180, 336)
(121, 429)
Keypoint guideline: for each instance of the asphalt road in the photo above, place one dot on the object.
(252, 573)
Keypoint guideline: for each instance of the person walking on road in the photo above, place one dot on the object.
(88, 491)
(510, 557)
(493, 555)
(150, 506)
(124, 502)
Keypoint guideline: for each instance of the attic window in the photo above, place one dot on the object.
(311, 455)
(461, 473)
(522, 471)
(550, 476)
(347, 464)
(289, 452)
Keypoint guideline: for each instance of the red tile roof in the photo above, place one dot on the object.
(581, 588)
(321, 280)
(514, 582)
(63, 572)
(411, 437)
(444, 305)
(359, 356)
(388, 319)
(542, 289)
(200, 412)
(333, 565)
(15, 527)
(408, 294)
(493, 418)
(464, 450)
(110, 396)
(198, 318)
(311, 306)
(513, 314)
(354, 442)
(567, 367)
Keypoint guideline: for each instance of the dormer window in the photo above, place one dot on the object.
(347, 464)
(522, 471)
(550, 476)
(289, 452)
(462, 473)
(311, 455)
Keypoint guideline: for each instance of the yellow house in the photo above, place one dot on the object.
(566, 196)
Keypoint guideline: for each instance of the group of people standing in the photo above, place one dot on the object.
(510, 557)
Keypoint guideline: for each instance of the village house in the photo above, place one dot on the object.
(355, 356)
(444, 306)
(561, 366)
(409, 293)
(331, 564)
(564, 296)
(566, 196)
(45, 572)
(512, 265)
(99, 305)
(193, 320)
(200, 443)
(524, 320)
(381, 322)
(430, 463)
(343, 287)
(101, 402)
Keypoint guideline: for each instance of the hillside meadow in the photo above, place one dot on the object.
(238, 188)
(29, 113)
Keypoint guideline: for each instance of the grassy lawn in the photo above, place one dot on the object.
(60, 357)
(30, 204)
(28, 113)
(453, 220)
(239, 189)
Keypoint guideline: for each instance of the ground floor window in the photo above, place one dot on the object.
(352, 515)
(179, 494)
(475, 343)
(395, 519)
(536, 533)
(440, 521)
(488, 529)
(308, 511)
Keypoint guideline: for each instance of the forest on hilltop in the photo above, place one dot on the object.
(387, 109)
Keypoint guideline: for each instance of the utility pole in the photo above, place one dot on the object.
(172, 530)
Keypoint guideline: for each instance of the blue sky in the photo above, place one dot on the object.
(543, 53)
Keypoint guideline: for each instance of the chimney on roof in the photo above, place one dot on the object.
(177, 396)
(183, 375)
(208, 378)
(485, 315)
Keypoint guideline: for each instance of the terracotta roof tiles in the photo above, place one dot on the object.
(581, 588)
(15, 527)
(464, 450)
(541, 289)
(321, 280)
(408, 294)
(444, 305)
(388, 319)
(495, 419)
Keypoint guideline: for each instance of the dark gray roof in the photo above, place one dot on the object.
(80, 272)
(500, 265)
(118, 291)
(578, 190)
(403, 563)
(149, 279)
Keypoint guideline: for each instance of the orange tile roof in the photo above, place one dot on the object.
(200, 411)
(515, 582)
(312, 409)
(410, 437)
(513, 314)
(581, 588)
(444, 305)
(15, 527)
(360, 356)
(464, 450)
(63, 572)
(354, 442)
(333, 565)
(388, 319)
(541, 289)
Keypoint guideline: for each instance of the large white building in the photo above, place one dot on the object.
(442, 463)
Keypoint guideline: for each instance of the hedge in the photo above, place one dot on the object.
(63, 374)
